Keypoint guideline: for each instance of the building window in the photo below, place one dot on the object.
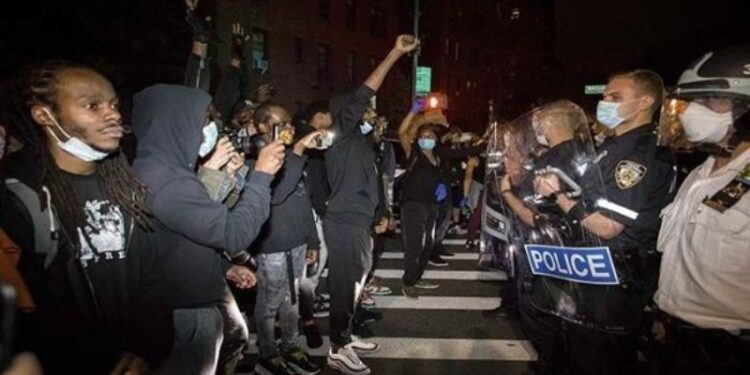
(299, 50)
(456, 51)
(378, 22)
(351, 14)
(350, 66)
(260, 47)
(373, 62)
(324, 62)
(447, 46)
(324, 7)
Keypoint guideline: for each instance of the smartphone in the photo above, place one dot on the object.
(276, 132)
(7, 324)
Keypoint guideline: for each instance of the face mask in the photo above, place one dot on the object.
(426, 144)
(702, 125)
(607, 114)
(210, 136)
(75, 146)
(366, 128)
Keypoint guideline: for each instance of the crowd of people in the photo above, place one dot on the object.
(225, 214)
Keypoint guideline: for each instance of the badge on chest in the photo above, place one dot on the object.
(629, 173)
(731, 193)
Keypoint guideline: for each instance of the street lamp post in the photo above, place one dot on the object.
(415, 55)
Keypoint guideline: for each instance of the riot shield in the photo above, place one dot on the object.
(563, 267)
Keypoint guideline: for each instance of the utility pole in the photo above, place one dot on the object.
(415, 55)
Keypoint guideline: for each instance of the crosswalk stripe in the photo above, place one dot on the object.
(436, 303)
(447, 275)
(458, 256)
(454, 241)
(438, 349)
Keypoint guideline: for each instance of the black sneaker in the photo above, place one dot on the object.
(312, 335)
(272, 366)
(364, 316)
(437, 261)
(321, 309)
(446, 253)
(362, 330)
(299, 362)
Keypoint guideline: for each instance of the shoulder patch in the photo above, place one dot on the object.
(629, 173)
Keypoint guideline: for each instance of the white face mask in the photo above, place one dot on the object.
(210, 136)
(366, 128)
(702, 125)
(75, 146)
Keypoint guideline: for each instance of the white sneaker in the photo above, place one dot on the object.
(363, 347)
(347, 362)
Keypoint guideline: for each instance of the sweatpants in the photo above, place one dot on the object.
(418, 222)
(198, 335)
(349, 261)
(236, 335)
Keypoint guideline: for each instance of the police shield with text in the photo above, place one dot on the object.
(592, 220)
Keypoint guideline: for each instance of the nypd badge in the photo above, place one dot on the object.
(629, 173)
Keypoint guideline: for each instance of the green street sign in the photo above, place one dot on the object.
(594, 89)
(423, 83)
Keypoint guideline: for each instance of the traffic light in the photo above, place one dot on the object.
(435, 101)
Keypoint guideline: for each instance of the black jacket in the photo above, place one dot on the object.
(350, 163)
(191, 228)
(291, 223)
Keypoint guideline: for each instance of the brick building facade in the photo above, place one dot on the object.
(313, 49)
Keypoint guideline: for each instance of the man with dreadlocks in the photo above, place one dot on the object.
(86, 283)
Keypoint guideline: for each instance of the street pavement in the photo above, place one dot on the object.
(443, 332)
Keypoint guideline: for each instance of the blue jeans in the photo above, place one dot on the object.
(274, 297)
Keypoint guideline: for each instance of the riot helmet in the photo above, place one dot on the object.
(709, 103)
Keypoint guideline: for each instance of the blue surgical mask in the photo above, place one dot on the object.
(366, 128)
(607, 114)
(426, 144)
(210, 136)
(75, 146)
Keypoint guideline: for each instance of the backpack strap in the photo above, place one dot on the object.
(46, 230)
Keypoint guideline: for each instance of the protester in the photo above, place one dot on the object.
(351, 208)
(704, 287)
(285, 244)
(175, 127)
(86, 255)
(423, 189)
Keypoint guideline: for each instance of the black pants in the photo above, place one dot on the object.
(418, 226)
(690, 350)
(378, 247)
(567, 348)
(349, 261)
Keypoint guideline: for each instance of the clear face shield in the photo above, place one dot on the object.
(563, 265)
(688, 123)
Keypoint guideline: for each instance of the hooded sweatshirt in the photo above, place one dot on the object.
(192, 229)
(350, 163)
(291, 223)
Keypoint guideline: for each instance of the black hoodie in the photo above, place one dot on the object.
(350, 163)
(191, 228)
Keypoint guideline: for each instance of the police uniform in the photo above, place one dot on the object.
(599, 322)
(704, 283)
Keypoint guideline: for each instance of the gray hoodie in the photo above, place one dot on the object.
(192, 229)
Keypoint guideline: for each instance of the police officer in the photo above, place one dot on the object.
(704, 283)
(599, 322)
